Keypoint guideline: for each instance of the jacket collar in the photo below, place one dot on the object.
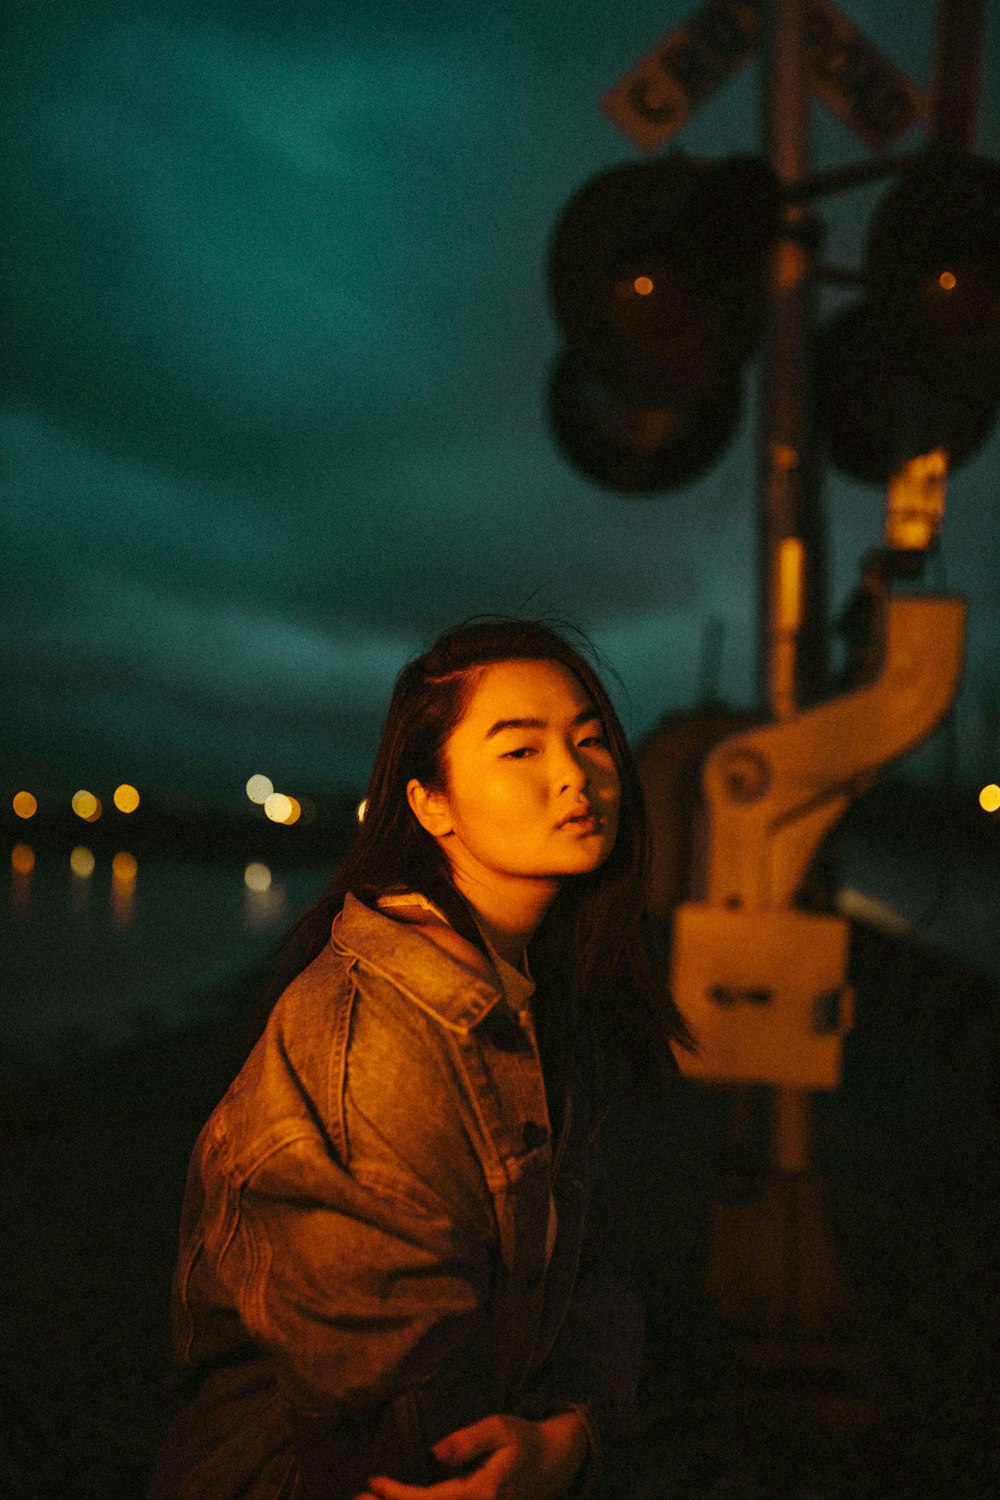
(457, 994)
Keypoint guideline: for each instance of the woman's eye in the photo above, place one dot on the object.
(594, 739)
(520, 754)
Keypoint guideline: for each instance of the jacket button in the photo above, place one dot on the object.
(533, 1135)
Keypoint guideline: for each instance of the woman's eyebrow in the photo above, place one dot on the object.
(585, 716)
(516, 724)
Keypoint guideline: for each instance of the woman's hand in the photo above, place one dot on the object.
(504, 1458)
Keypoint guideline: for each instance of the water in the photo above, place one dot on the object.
(92, 960)
(88, 961)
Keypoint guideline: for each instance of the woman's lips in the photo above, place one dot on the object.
(585, 822)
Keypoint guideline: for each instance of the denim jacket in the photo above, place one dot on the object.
(363, 1240)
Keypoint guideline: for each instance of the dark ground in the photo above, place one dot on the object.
(877, 1378)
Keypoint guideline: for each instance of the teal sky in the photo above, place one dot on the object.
(273, 403)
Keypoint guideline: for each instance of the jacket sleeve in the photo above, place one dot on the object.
(368, 1280)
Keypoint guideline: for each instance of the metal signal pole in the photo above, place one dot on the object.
(792, 534)
(957, 77)
(792, 572)
(792, 543)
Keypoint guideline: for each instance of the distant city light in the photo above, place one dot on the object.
(86, 806)
(362, 808)
(126, 798)
(257, 877)
(278, 808)
(25, 805)
(259, 788)
(124, 867)
(81, 862)
(989, 798)
(22, 859)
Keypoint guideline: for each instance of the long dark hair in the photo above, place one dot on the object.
(595, 940)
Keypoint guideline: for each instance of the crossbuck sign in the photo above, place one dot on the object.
(862, 86)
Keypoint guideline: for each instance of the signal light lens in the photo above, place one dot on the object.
(658, 273)
(934, 270)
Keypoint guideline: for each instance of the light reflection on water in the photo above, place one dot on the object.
(91, 959)
(132, 947)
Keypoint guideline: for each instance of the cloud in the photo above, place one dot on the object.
(273, 407)
(233, 257)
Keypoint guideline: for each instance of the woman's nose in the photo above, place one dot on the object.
(572, 772)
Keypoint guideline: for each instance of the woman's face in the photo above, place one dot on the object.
(532, 790)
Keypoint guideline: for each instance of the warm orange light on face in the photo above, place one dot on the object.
(126, 798)
(643, 286)
(22, 859)
(946, 281)
(124, 867)
(533, 791)
(989, 798)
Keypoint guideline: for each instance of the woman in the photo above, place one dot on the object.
(393, 1279)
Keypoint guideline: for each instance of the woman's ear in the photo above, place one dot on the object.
(430, 809)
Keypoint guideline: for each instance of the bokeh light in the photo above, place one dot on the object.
(126, 798)
(124, 868)
(257, 877)
(362, 808)
(989, 798)
(259, 788)
(22, 859)
(278, 808)
(643, 285)
(946, 281)
(85, 805)
(81, 862)
(24, 804)
(295, 811)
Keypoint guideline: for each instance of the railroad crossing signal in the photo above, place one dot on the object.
(658, 283)
(662, 275)
(659, 290)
